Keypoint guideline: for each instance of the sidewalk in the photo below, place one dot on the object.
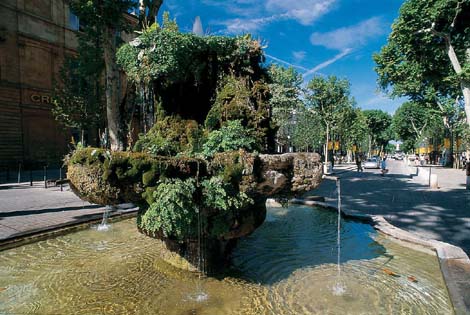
(26, 210)
(407, 202)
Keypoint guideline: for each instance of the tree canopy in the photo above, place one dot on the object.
(426, 56)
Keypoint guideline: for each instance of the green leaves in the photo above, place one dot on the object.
(174, 211)
(232, 136)
(379, 126)
(416, 56)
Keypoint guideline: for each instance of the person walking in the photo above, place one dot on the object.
(358, 162)
(383, 166)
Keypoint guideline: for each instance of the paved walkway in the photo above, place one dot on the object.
(25, 210)
(407, 202)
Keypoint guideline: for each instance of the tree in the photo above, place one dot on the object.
(78, 95)
(328, 97)
(353, 129)
(107, 16)
(77, 99)
(285, 89)
(411, 122)
(428, 52)
(307, 130)
(378, 124)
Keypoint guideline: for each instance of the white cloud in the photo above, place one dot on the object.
(327, 62)
(299, 55)
(241, 25)
(304, 11)
(350, 37)
(252, 15)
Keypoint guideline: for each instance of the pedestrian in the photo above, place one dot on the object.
(358, 163)
(383, 166)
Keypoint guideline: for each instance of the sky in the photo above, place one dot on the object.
(317, 37)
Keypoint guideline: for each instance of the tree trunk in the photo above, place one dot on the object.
(465, 86)
(325, 167)
(112, 91)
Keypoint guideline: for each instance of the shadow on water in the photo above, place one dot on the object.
(300, 237)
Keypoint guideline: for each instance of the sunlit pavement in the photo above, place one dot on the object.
(25, 210)
(407, 201)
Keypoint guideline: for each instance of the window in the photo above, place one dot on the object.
(74, 22)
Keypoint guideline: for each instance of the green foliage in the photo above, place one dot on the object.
(238, 100)
(221, 195)
(79, 93)
(415, 62)
(412, 122)
(328, 97)
(353, 128)
(379, 127)
(166, 53)
(98, 13)
(170, 136)
(173, 211)
(285, 89)
(232, 136)
(306, 130)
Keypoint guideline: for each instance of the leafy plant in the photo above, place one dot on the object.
(174, 211)
(232, 136)
(218, 194)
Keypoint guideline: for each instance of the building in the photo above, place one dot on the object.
(35, 37)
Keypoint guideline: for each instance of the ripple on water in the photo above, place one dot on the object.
(287, 266)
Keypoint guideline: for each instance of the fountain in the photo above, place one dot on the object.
(207, 235)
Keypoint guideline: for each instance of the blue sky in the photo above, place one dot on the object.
(318, 37)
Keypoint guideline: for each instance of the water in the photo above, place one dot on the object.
(104, 226)
(287, 266)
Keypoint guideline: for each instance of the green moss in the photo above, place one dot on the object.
(171, 136)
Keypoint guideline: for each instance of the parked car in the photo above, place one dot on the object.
(371, 163)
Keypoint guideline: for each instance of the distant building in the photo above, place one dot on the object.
(35, 37)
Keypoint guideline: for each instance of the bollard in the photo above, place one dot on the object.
(60, 178)
(433, 181)
(19, 172)
(45, 177)
(31, 176)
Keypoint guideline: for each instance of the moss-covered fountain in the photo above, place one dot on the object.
(198, 174)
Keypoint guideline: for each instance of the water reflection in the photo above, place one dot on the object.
(298, 237)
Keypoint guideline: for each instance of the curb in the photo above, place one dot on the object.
(453, 261)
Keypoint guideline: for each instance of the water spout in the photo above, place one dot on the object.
(339, 287)
(104, 226)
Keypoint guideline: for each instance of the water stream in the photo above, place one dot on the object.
(339, 287)
(104, 226)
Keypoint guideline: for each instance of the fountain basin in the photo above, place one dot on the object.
(287, 266)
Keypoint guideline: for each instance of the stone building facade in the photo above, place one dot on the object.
(35, 36)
